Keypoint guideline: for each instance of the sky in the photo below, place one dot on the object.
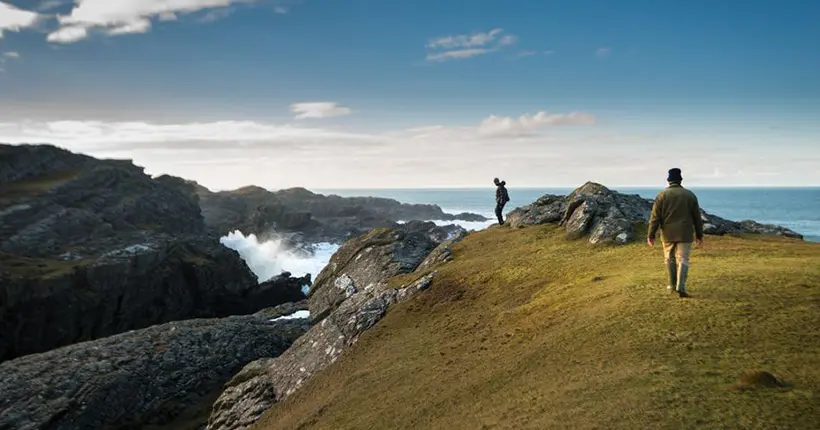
(423, 93)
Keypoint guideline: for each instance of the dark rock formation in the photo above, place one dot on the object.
(606, 216)
(154, 376)
(90, 248)
(350, 296)
(303, 216)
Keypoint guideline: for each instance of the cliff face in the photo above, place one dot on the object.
(304, 216)
(90, 248)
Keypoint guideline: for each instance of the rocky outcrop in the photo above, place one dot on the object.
(365, 261)
(91, 248)
(606, 216)
(301, 216)
(156, 376)
(350, 296)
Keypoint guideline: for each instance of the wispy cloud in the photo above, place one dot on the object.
(464, 40)
(524, 54)
(462, 46)
(603, 52)
(216, 14)
(116, 17)
(549, 52)
(68, 34)
(11, 54)
(48, 5)
(528, 124)
(508, 40)
(135, 27)
(15, 19)
(308, 110)
(458, 54)
(281, 10)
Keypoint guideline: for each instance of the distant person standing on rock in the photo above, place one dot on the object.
(501, 199)
(677, 213)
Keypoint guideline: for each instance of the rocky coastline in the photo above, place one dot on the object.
(120, 308)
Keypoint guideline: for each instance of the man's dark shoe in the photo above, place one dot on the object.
(683, 294)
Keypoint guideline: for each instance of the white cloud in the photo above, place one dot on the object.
(51, 4)
(549, 52)
(130, 16)
(68, 35)
(14, 19)
(216, 15)
(280, 10)
(464, 40)
(527, 53)
(463, 46)
(99, 135)
(167, 16)
(230, 154)
(603, 52)
(527, 124)
(319, 110)
(458, 54)
(136, 27)
(508, 40)
(11, 54)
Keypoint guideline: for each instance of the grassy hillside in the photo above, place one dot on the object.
(527, 330)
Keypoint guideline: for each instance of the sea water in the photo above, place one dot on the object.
(794, 208)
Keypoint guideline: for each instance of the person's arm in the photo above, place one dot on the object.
(654, 220)
(697, 219)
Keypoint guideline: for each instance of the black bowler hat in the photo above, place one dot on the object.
(674, 175)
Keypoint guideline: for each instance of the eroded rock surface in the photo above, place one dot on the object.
(145, 377)
(365, 261)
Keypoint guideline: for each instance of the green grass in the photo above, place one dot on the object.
(528, 330)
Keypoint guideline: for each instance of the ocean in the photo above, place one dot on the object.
(795, 208)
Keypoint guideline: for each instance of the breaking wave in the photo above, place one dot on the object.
(269, 258)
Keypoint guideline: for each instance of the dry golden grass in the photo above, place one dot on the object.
(528, 330)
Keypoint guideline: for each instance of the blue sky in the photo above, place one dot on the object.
(728, 90)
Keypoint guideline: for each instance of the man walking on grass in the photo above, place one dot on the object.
(501, 199)
(677, 213)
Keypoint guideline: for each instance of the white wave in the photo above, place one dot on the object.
(295, 315)
(467, 225)
(270, 258)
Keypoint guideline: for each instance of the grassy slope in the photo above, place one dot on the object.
(520, 331)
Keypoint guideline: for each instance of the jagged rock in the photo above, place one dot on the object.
(548, 209)
(365, 261)
(264, 382)
(140, 378)
(90, 248)
(315, 217)
(606, 216)
(444, 252)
